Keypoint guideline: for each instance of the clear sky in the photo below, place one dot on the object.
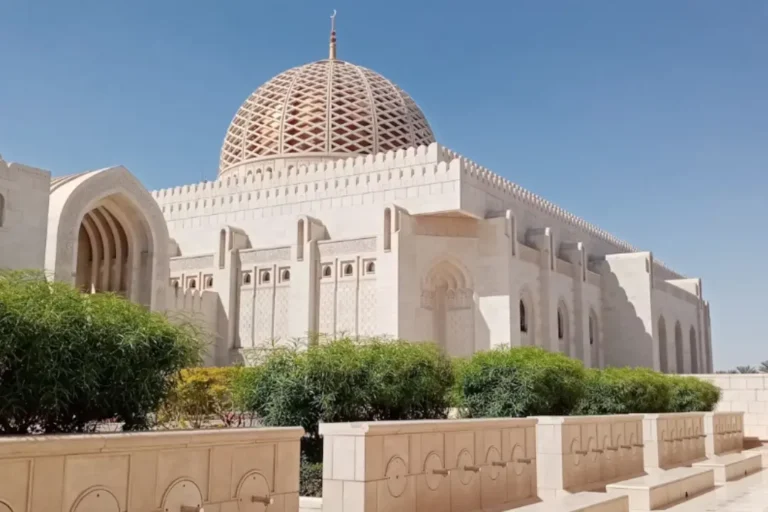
(649, 119)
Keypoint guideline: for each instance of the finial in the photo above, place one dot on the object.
(332, 48)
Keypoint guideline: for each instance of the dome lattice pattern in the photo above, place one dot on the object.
(329, 108)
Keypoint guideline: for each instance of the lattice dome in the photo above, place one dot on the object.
(326, 108)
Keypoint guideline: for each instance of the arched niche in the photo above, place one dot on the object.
(447, 292)
(107, 233)
(663, 355)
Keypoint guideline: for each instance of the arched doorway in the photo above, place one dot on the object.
(106, 233)
(447, 292)
(594, 340)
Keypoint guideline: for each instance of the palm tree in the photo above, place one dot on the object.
(745, 369)
(764, 367)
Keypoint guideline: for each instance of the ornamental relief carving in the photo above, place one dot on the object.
(347, 246)
(194, 262)
(265, 255)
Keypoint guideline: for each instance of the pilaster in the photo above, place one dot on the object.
(541, 239)
(573, 252)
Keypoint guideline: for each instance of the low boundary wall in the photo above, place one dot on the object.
(744, 392)
(143, 472)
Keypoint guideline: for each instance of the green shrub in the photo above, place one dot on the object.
(689, 394)
(310, 478)
(69, 360)
(518, 382)
(347, 381)
(200, 394)
(625, 391)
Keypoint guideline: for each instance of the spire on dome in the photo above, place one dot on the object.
(332, 46)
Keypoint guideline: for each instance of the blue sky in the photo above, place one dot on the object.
(648, 118)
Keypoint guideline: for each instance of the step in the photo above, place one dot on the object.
(658, 490)
(580, 502)
(732, 466)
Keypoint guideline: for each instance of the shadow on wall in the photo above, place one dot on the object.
(626, 340)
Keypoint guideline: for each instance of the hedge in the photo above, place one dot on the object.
(690, 394)
(519, 382)
(69, 360)
(624, 391)
(346, 380)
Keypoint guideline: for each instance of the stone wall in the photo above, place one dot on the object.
(748, 393)
(216, 470)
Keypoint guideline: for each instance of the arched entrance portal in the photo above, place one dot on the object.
(107, 234)
(447, 292)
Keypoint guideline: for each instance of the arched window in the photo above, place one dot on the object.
(327, 271)
(247, 278)
(222, 247)
(175, 284)
(594, 340)
(370, 268)
(563, 331)
(2, 210)
(348, 270)
(387, 229)
(209, 282)
(523, 318)
(265, 277)
(663, 356)
(286, 275)
(679, 358)
(694, 350)
(300, 240)
(192, 284)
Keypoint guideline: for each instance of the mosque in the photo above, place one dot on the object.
(335, 212)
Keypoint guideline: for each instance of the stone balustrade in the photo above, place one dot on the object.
(724, 431)
(584, 453)
(178, 471)
(673, 440)
(441, 465)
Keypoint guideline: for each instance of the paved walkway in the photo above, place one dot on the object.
(749, 494)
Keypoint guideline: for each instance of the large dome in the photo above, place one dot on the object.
(329, 108)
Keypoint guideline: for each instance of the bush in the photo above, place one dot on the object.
(69, 360)
(519, 382)
(347, 381)
(689, 394)
(200, 394)
(625, 391)
(310, 478)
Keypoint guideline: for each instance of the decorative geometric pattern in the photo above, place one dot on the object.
(281, 313)
(366, 308)
(246, 318)
(262, 335)
(329, 107)
(346, 309)
(327, 304)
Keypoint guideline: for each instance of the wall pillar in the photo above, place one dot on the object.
(541, 239)
(573, 252)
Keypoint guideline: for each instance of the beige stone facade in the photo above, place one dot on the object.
(336, 212)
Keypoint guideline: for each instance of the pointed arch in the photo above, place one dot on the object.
(594, 339)
(527, 318)
(447, 292)
(563, 328)
(106, 232)
(694, 348)
(679, 354)
(663, 353)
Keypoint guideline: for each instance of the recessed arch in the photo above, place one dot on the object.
(448, 295)
(694, 348)
(107, 233)
(2, 210)
(563, 328)
(594, 339)
(527, 318)
(663, 355)
(679, 354)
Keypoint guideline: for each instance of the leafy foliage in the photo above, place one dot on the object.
(689, 394)
(346, 380)
(200, 394)
(310, 478)
(69, 360)
(518, 382)
(625, 391)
